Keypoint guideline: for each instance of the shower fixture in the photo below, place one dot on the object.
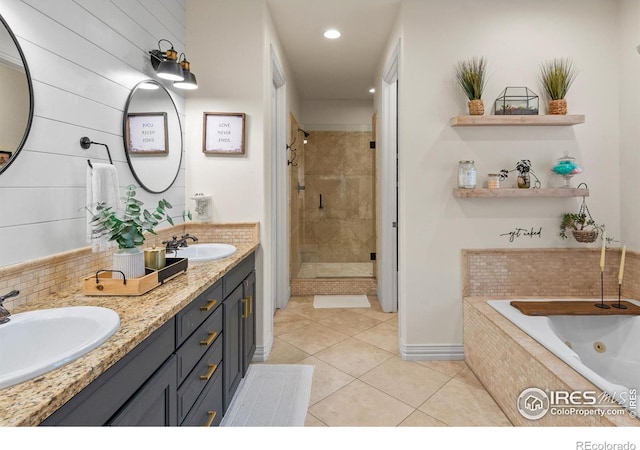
(306, 135)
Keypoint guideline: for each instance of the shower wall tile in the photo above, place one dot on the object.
(340, 166)
(296, 197)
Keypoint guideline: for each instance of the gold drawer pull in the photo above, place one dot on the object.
(250, 300)
(212, 417)
(209, 374)
(245, 309)
(212, 336)
(210, 304)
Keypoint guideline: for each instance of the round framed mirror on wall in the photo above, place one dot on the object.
(16, 92)
(152, 136)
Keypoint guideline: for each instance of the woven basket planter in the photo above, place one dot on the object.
(585, 236)
(476, 107)
(558, 107)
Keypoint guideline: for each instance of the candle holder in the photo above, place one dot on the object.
(601, 304)
(619, 305)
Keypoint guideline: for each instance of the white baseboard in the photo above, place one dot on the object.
(450, 352)
(263, 351)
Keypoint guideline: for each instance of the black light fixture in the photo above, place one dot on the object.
(189, 81)
(166, 63)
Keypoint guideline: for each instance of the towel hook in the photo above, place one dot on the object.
(85, 143)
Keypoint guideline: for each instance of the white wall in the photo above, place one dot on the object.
(231, 41)
(629, 129)
(336, 115)
(434, 226)
(84, 57)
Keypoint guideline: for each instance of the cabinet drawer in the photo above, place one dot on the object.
(207, 410)
(197, 312)
(198, 343)
(204, 372)
(235, 276)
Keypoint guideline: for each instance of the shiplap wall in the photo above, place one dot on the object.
(84, 57)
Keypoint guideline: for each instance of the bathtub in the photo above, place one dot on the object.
(603, 349)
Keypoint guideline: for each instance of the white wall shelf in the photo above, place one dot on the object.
(491, 120)
(520, 193)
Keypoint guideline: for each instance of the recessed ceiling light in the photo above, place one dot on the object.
(332, 34)
(372, 90)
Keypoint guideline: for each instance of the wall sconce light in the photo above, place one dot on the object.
(169, 67)
(166, 63)
(189, 81)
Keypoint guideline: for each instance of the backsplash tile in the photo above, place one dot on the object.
(42, 277)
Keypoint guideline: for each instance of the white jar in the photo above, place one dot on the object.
(466, 175)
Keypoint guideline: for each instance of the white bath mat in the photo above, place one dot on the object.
(341, 301)
(271, 395)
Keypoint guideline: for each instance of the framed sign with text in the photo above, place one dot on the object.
(223, 133)
(146, 133)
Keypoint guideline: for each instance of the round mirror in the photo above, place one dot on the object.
(152, 136)
(16, 92)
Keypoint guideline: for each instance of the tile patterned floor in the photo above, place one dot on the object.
(360, 379)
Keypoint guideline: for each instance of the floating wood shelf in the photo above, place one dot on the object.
(490, 120)
(528, 193)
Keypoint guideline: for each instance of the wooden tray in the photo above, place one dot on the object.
(574, 308)
(103, 283)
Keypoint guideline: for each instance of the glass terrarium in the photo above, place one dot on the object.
(517, 101)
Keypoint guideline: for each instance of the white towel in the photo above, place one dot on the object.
(102, 187)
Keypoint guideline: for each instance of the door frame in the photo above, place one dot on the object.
(281, 289)
(388, 260)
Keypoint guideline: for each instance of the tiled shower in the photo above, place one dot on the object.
(332, 204)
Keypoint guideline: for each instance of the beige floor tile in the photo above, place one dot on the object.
(468, 376)
(349, 322)
(460, 404)
(383, 335)
(407, 381)
(285, 322)
(284, 353)
(313, 338)
(310, 421)
(420, 419)
(354, 356)
(451, 368)
(305, 309)
(326, 379)
(358, 404)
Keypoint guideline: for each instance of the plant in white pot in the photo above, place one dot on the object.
(127, 230)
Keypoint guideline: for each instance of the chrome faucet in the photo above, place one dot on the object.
(4, 313)
(174, 244)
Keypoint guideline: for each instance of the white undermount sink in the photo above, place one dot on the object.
(35, 342)
(206, 252)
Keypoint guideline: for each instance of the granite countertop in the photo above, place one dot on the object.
(30, 402)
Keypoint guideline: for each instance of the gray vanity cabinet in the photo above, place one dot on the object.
(185, 373)
(154, 404)
(238, 333)
(248, 321)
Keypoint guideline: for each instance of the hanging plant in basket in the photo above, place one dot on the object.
(582, 226)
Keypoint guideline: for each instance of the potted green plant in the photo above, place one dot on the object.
(557, 76)
(127, 229)
(471, 76)
(583, 228)
(524, 169)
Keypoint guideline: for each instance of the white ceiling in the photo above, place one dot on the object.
(344, 68)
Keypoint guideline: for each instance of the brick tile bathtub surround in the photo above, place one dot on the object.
(503, 357)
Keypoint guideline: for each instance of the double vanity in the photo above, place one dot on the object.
(176, 358)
